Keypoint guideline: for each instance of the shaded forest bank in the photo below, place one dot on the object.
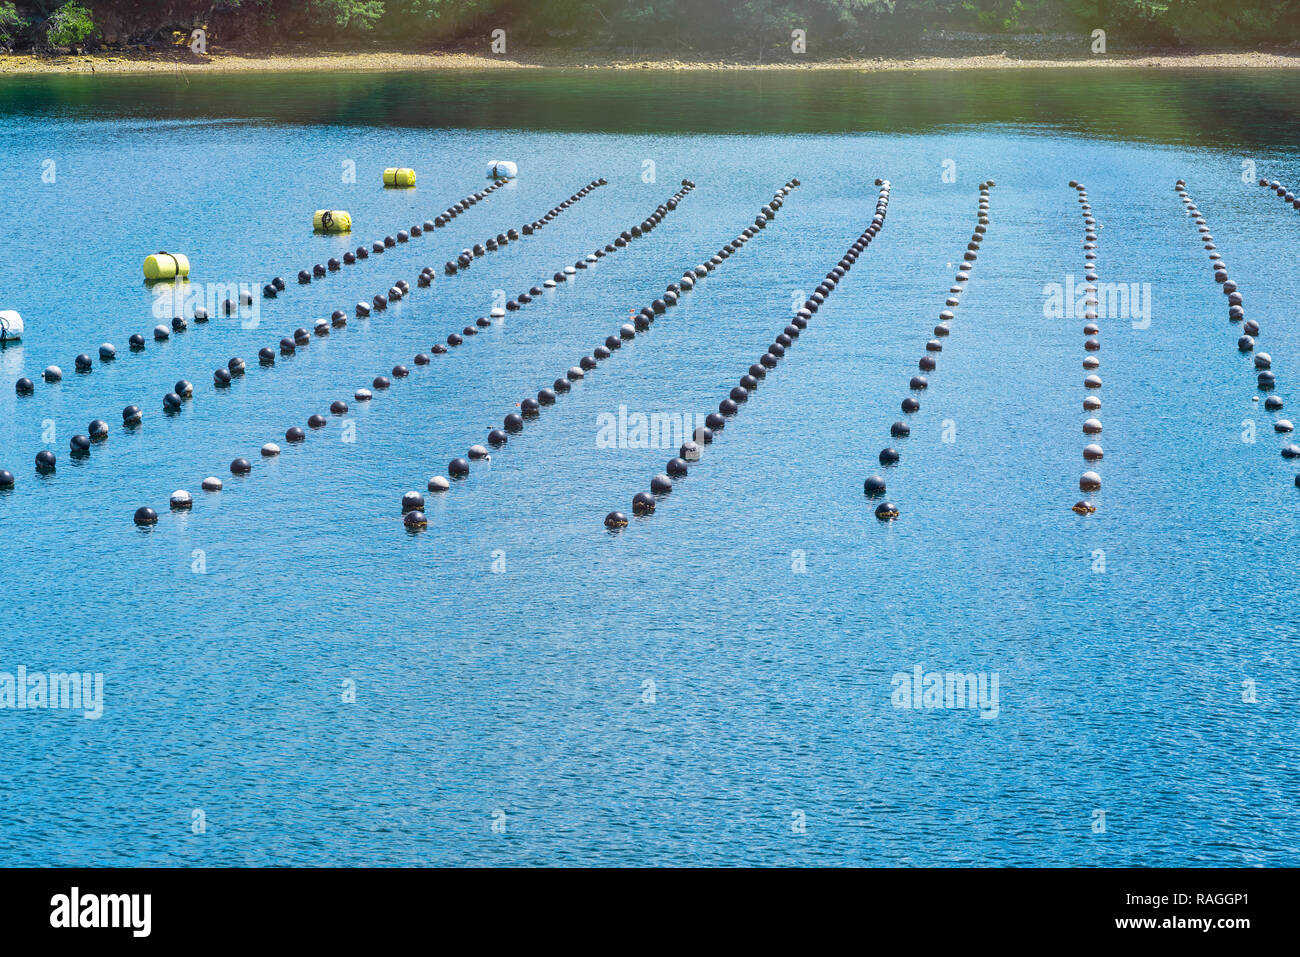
(750, 31)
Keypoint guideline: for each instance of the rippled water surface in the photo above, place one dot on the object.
(713, 684)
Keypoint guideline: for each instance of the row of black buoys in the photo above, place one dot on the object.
(320, 270)
(1089, 481)
(874, 486)
(107, 352)
(500, 240)
(222, 377)
(181, 499)
(644, 503)
(1283, 193)
(288, 346)
(301, 337)
(530, 407)
(1265, 377)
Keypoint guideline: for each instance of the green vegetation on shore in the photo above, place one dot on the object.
(833, 27)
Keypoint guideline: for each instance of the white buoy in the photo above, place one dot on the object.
(502, 169)
(11, 326)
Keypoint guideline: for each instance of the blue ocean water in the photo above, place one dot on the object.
(715, 683)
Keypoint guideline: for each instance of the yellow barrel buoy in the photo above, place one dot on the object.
(399, 177)
(332, 221)
(164, 265)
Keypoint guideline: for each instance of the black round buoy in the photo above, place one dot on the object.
(339, 407)
(676, 467)
(415, 520)
(889, 456)
(294, 434)
(6, 479)
(887, 511)
(874, 486)
(458, 468)
(24, 386)
(412, 502)
(661, 485)
(316, 421)
(616, 520)
(144, 515)
(98, 430)
(240, 467)
(497, 438)
(45, 461)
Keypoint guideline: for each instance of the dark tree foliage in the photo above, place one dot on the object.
(670, 26)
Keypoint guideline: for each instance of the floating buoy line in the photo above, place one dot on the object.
(224, 376)
(1265, 378)
(159, 265)
(874, 486)
(1283, 193)
(692, 451)
(1090, 480)
(339, 221)
(530, 408)
(338, 407)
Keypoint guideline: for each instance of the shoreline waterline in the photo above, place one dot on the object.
(182, 62)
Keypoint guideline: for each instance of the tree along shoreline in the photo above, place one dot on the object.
(699, 30)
